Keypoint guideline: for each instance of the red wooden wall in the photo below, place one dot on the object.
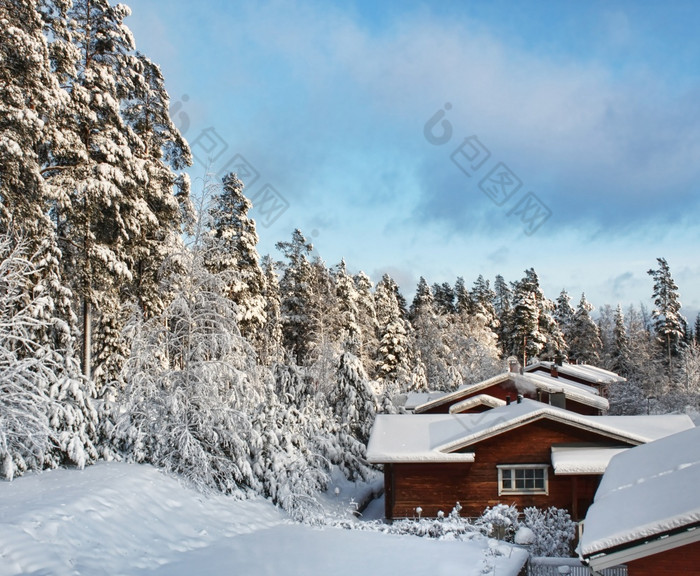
(680, 561)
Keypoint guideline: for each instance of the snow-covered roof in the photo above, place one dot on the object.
(646, 494)
(524, 383)
(587, 372)
(572, 390)
(565, 380)
(474, 401)
(414, 399)
(405, 438)
(435, 437)
(582, 459)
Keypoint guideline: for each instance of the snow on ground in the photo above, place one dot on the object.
(125, 519)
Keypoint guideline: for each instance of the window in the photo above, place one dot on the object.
(522, 479)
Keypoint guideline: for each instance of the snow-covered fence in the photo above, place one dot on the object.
(570, 566)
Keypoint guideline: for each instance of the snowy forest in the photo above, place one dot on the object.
(138, 321)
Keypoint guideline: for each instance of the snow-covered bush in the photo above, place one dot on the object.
(46, 414)
(291, 471)
(499, 521)
(190, 385)
(444, 527)
(553, 530)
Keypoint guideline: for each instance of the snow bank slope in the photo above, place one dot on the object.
(113, 519)
(132, 520)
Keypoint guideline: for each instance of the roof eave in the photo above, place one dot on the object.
(606, 558)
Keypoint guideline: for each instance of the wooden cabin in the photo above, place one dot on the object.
(646, 512)
(525, 453)
(508, 386)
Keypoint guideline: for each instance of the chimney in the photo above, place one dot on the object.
(507, 400)
(520, 398)
(554, 371)
(513, 365)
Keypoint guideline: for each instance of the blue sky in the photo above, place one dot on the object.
(445, 139)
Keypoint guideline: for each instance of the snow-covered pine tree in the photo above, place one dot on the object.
(526, 339)
(29, 98)
(166, 192)
(232, 246)
(325, 337)
(430, 333)
(606, 328)
(271, 350)
(289, 467)
(585, 345)
(556, 348)
(352, 399)
(534, 330)
(296, 296)
(564, 311)
(482, 303)
(462, 297)
(91, 169)
(349, 329)
(503, 307)
(564, 315)
(367, 321)
(394, 354)
(668, 322)
(620, 355)
(445, 299)
(109, 166)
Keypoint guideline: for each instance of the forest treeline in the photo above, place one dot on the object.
(136, 326)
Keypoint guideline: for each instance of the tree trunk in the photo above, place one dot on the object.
(87, 338)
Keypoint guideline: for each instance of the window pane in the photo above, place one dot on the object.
(506, 477)
(523, 479)
(539, 479)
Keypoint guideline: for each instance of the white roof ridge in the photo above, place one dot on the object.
(535, 411)
(587, 369)
(479, 399)
(461, 390)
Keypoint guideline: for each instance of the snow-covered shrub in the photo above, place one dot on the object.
(444, 527)
(46, 414)
(190, 385)
(291, 472)
(499, 521)
(553, 530)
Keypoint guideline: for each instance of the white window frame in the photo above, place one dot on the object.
(513, 468)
